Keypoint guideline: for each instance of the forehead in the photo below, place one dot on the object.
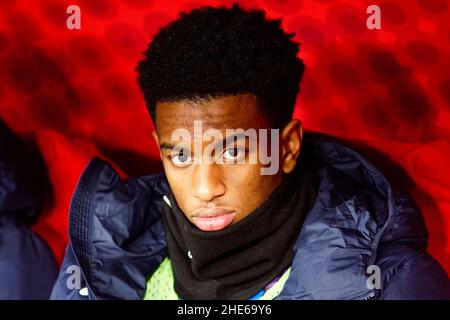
(233, 112)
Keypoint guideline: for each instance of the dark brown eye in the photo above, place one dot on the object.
(183, 157)
(233, 153)
(180, 158)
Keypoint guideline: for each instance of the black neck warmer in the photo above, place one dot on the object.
(238, 261)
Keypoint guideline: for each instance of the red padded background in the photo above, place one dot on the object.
(74, 92)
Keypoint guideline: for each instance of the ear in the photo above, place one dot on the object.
(155, 137)
(291, 143)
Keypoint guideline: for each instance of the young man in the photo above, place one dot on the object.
(247, 207)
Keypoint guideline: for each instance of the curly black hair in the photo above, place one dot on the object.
(217, 51)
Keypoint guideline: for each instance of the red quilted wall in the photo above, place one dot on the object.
(73, 92)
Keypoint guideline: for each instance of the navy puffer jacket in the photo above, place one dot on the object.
(358, 225)
(28, 268)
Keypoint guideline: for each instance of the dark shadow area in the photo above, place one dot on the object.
(132, 163)
(24, 165)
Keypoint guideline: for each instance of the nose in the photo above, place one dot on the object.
(207, 182)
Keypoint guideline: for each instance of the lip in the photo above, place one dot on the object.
(213, 219)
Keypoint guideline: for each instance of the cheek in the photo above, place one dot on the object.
(241, 177)
(247, 188)
(179, 183)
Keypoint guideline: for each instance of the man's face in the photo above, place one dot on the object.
(219, 193)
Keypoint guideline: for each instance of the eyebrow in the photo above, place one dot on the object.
(231, 138)
(167, 146)
(226, 141)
